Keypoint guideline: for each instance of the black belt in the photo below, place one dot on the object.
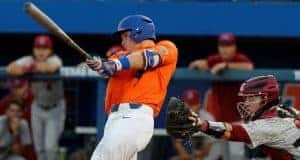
(115, 107)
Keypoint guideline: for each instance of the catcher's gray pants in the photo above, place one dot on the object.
(47, 125)
(127, 131)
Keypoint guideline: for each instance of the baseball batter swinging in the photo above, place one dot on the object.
(137, 86)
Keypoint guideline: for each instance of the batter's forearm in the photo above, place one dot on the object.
(136, 60)
(139, 60)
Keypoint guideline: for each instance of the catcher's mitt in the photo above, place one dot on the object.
(178, 123)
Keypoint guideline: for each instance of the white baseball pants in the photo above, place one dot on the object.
(127, 131)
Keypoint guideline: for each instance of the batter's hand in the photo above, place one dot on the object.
(95, 63)
(107, 69)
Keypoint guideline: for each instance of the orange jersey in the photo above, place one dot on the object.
(150, 86)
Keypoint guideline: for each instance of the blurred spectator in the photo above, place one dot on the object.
(192, 98)
(226, 58)
(222, 103)
(48, 107)
(19, 89)
(202, 145)
(14, 133)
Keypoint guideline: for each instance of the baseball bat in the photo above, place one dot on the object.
(52, 27)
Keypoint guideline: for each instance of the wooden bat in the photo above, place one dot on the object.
(52, 27)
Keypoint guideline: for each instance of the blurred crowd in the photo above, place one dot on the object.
(33, 113)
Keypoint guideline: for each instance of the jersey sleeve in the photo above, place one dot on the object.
(26, 60)
(55, 60)
(239, 134)
(269, 132)
(167, 51)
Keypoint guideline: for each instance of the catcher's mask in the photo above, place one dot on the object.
(257, 93)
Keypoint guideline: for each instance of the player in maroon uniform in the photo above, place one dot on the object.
(19, 90)
(267, 122)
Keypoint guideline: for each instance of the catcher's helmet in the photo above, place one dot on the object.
(140, 27)
(265, 86)
(261, 85)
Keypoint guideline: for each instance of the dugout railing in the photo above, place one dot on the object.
(183, 78)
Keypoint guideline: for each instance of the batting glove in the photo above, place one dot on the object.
(106, 69)
(95, 63)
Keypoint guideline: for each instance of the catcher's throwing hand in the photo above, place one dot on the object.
(182, 122)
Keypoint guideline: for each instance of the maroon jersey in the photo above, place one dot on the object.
(216, 58)
(222, 107)
(279, 136)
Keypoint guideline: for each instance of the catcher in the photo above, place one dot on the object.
(267, 122)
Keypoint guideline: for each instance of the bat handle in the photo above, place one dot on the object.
(87, 56)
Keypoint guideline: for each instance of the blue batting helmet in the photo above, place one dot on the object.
(140, 27)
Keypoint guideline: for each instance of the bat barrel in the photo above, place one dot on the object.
(52, 27)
